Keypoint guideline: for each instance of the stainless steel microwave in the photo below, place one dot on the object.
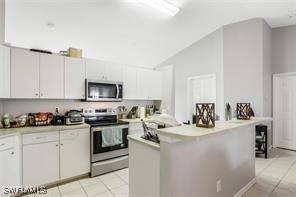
(97, 90)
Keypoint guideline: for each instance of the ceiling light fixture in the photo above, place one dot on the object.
(162, 6)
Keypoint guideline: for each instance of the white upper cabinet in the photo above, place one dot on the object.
(95, 69)
(24, 74)
(143, 84)
(4, 72)
(74, 78)
(113, 73)
(130, 87)
(149, 84)
(51, 76)
(100, 70)
(155, 85)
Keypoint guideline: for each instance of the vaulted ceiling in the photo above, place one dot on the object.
(127, 31)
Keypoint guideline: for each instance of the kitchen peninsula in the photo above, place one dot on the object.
(195, 162)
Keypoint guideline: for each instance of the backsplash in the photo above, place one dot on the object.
(17, 107)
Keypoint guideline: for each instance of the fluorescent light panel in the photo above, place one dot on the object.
(162, 6)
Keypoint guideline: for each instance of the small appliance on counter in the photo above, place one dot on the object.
(58, 119)
(40, 119)
(74, 117)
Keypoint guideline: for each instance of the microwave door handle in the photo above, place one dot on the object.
(117, 87)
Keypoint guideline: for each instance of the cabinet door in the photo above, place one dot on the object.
(143, 84)
(155, 85)
(74, 152)
(10, 167)
(113, 73)
(95, 69)
(130, 83)
(24, 74)
(4, 72)
(51, 76)
(40, 163)
(74, 78)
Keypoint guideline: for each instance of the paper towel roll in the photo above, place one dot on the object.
(142, 112)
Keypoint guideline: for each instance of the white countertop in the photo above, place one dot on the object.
(137, 138)
(191, 131)
(25, 130)
(136, 120)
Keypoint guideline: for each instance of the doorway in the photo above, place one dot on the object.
(284, 108)
(201, 89)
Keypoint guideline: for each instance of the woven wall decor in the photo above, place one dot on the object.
(205, 115)
(243, 111)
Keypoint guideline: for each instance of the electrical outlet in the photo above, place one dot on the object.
(218, 186)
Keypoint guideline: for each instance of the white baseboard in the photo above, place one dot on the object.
(245, 188)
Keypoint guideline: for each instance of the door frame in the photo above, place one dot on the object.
(275, 78)
(189, 79)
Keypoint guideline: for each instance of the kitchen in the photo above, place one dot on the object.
(71, 102)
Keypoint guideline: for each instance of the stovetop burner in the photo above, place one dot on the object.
(101, 117)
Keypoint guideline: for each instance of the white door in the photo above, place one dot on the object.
(9, 167)
(130, 83)
(4, 72)
(201, 89)
(74, 152)
(284, 108)
(40, 163)
(24, 74)
(113, 73)
(95, 69)
(74, 78)
(51, 76)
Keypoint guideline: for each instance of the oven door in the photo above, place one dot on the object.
(103, 91)
(101, 151)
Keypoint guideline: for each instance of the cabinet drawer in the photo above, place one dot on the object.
(35, 138)
(7, 143)
(69, 134)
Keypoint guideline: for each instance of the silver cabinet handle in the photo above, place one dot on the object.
(41, 94)
(12, 153)
(2, 144)
(62, 144)
(57, 145)
(36, 94)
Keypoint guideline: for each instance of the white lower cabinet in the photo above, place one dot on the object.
(9, 162)
(52, 156)
(74, 153)
(41, 158)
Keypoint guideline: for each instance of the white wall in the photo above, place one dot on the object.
(17, 107)
(243, 63)
(2, 21)
(203, 57)
(284, 49)
(267, 70)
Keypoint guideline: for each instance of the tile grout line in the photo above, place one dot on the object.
(83, 188)
(109, 190)
(283, 176)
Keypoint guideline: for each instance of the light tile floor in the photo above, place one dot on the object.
(276, 177)
(113, 184)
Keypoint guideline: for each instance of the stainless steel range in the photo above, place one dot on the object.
(109, 144)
